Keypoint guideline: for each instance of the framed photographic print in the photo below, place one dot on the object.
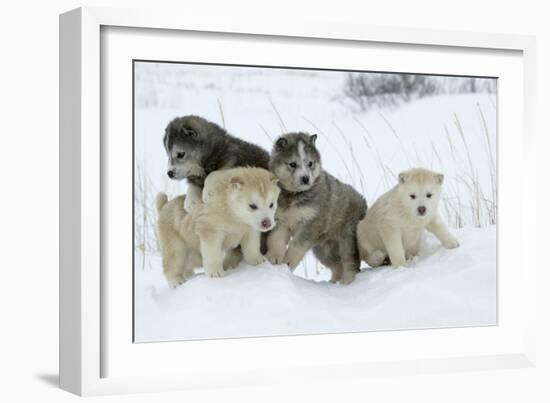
(238, 199)
(369, 126)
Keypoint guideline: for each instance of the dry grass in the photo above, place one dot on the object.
(222, 116)
(145, 214)
(465, 202)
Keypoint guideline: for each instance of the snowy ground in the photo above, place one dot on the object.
(442, 288)
(451, 133)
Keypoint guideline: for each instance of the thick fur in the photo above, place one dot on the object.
(394, 225)
(320, 213)
(239, 204)
(196, 147)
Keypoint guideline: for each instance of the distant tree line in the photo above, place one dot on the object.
(385, 89)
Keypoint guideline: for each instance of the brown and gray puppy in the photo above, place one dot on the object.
(316, 211)
(196, 147)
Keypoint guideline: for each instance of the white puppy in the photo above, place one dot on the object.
(394, 224)
(238, 204)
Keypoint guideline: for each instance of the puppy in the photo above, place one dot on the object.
(239, 204)
(394, 225)
(196, 147)
(316, 211)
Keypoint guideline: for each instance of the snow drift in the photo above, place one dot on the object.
(442, 288)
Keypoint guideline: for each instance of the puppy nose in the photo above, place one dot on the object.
(170, 174)
(421, 210)
(266, 223)
(305, 180)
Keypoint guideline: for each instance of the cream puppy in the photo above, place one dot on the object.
(238, 204)
(394, 224)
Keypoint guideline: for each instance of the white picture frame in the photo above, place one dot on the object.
(85, 348)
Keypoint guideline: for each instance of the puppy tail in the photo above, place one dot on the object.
(162, 199)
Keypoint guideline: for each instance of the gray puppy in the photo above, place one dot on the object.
(197, 147)
(316, 211)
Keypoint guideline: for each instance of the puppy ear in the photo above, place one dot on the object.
(189, 132)
(236, 183)
(402, 177)
(165, 140)
(440, 178)
(281, 143)
(274, 180)
(313, 138)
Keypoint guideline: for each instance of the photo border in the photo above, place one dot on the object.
(191, 63)
(80, 185)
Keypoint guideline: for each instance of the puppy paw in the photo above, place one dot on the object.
(189, 204)
(376, 258)
(451, 243)
(399, 263)
(292, 260)
(175, 281)
(255, 259)
(214, 272)
(347, 277)
(274, 257)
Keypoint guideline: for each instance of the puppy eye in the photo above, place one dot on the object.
(180, 155)
(310, 164)
(292, 165)
(429, 195)
(271, 205)
(413, 197)
(253, 206)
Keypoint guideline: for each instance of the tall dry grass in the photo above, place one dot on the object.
(145, 214)
(465, 201)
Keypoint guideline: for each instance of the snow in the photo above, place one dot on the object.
(452, 133)
(441, 288)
